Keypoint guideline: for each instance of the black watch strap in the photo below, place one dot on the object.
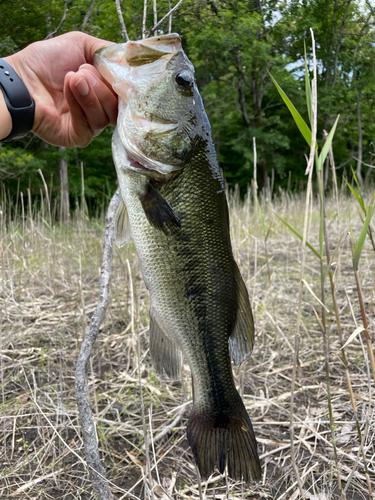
(20, 104)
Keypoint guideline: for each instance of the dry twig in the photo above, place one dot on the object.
(97, 474)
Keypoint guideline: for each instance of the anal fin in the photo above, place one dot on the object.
(165, 354)
(241, 340)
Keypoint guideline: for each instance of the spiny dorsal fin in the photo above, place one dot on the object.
(165, 354)
(122, 225)
(158, 211)
(241, 341)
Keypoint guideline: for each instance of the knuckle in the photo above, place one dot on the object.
(100, 122)
(90, 102)
(84, 142)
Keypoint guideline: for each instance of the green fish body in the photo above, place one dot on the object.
(175, 209)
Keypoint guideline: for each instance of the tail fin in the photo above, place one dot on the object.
(224, 439)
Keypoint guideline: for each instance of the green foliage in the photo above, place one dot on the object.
(325, 149)
(358, 247)
(357, 195)
(299, 236)
(232, 44)
(15, 162)
(299, 121)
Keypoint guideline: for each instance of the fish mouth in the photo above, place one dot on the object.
(137, 161)
(132, 134)
(140, 52)
(117, 61)
(135, 165)
(128, 161)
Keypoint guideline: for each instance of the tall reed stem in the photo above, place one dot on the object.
(365, 324)
(344, 358)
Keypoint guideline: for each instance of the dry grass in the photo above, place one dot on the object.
(49, 289)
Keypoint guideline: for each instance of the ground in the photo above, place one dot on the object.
(49, 285)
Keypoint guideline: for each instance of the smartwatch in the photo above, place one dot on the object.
(20, 104)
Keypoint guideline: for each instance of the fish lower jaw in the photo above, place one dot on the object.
(136, 161)
(142, 169)
(136, 165)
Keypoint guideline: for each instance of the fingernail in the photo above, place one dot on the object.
(82, 86)
(91, 78)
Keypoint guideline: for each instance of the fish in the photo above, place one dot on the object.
(174, 208)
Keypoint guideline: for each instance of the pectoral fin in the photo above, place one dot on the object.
(241, 340)
(122, 225)
(158, 211)
(165, 354)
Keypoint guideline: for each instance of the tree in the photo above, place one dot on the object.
(232, 44)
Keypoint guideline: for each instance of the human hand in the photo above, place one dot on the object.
(72, 102)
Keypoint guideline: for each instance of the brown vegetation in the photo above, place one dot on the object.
(49, 289)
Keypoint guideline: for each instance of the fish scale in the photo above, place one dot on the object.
(177, 215)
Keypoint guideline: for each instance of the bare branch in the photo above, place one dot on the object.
(152, 30)
(170, 18)
(171, 426)
(99, 482)
(155, 13)
(50, 35)
(144, 19)
(122, 22)
(363, 163)
(88, 14)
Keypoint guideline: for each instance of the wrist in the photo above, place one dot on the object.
(16, 103)
(5, 120)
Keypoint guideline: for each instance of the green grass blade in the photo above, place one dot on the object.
(350, 226)
(321, 236)
(300, 122)
(355, 194)
(269, 230)
(307, 86)
(332, 259)
(296, 233)
(362, 237)
(359, 190)
(354, 175)
(319, 175)
(327, 145)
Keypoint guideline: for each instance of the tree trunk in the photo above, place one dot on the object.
(331, 42)
(64, 186)
(338, 46)
(360, 135)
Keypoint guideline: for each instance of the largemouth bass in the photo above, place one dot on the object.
(175, 209)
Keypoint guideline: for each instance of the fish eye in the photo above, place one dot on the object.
(184, 79)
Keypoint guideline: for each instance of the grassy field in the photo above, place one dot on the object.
(49, 283)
